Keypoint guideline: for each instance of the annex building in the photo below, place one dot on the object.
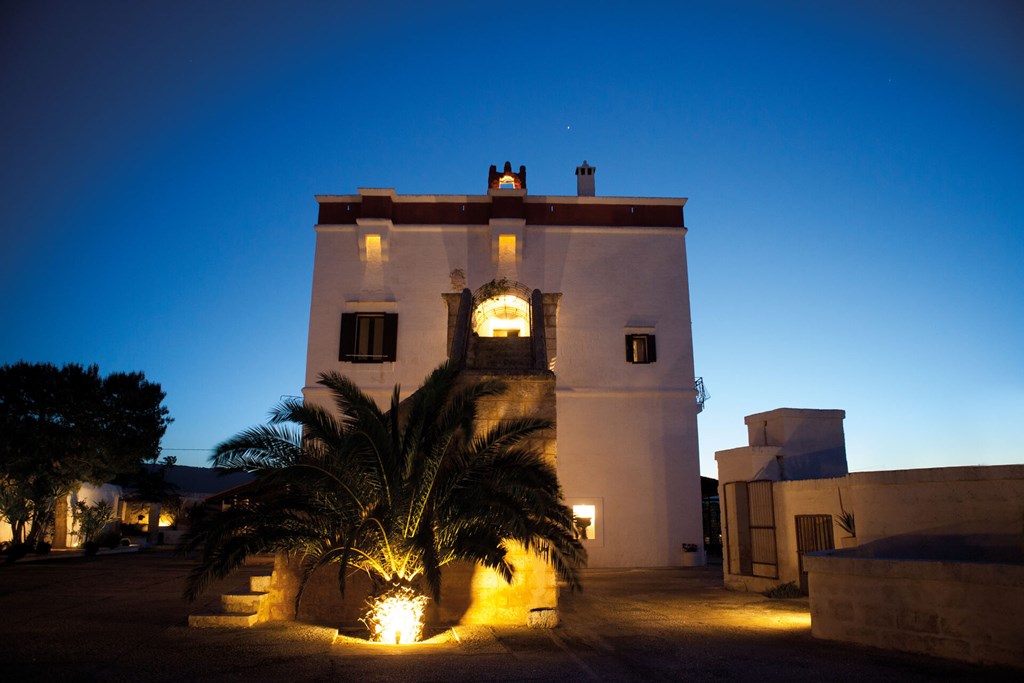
(580, 302)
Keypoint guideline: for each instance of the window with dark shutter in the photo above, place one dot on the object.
(368, 337)
(640, 348)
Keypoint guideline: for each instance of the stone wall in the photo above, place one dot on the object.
(469, 594)
(960, 610)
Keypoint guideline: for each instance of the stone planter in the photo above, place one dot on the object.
(542, 617)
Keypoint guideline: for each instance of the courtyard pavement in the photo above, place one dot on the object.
(121, 617)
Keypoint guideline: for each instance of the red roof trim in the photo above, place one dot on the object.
(643, 214)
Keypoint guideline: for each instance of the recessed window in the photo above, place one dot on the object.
(640, 348)
(368, 337)
(584, 518)
(504, 315)
(373, 248)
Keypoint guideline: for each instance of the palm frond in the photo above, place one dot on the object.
(399, 494)
(258, 448)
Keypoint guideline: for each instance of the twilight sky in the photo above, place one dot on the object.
(856, 196)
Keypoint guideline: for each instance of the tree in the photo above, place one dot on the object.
(60, 427)
(397, 494)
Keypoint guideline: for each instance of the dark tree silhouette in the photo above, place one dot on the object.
(60, 427)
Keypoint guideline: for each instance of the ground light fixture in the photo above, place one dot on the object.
(396, 617)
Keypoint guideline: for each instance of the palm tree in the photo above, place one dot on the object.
(398, 494)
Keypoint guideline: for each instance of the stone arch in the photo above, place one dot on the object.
(501, 308)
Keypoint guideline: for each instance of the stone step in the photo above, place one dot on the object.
(260, 584)
(223, 620)
(243, 603)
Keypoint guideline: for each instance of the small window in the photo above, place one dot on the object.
(640, 348)
(584, 518)
(588, 520)
(368, 337)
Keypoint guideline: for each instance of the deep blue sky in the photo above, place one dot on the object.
(853, 172)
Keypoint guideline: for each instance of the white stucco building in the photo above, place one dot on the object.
(583, 300)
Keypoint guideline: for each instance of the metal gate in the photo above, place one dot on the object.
(763, 557)
(813, 533)
(751, 548)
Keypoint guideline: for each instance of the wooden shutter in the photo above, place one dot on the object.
(651, 354)
(629, 348)
(347, 346)
(390, 336)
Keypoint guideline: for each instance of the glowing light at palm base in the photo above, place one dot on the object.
(396, 616)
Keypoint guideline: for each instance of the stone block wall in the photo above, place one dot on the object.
(959, 610)
(469, 594)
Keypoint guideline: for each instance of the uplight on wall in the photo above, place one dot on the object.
(506, 248)
(374, 253)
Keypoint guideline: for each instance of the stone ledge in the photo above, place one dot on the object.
(223, 620)
(847, 563)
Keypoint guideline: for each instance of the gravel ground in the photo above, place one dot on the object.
(121, 617)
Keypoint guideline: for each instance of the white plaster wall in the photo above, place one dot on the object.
(937, 502)
(809, 497)
(626, 432)
(634, 454)
(747, 463)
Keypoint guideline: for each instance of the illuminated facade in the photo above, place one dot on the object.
(583, 300)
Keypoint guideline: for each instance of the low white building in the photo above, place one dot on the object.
(583, 300)
(926, 560)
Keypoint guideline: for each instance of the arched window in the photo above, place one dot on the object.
(502, 311)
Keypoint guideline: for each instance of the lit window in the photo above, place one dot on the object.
(640, 348)
(506, 250)
(584, 518)
(368, 337)
(505, 315)
(373, 248)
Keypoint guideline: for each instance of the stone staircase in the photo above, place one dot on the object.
(499, 353)
(239, 610)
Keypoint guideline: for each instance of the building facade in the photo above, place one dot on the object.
(581, 302)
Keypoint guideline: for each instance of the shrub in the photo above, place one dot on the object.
(16, 551)
(92, 518)
(108, 539)
(783, 591)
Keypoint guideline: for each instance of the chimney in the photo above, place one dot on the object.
(585, 180)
